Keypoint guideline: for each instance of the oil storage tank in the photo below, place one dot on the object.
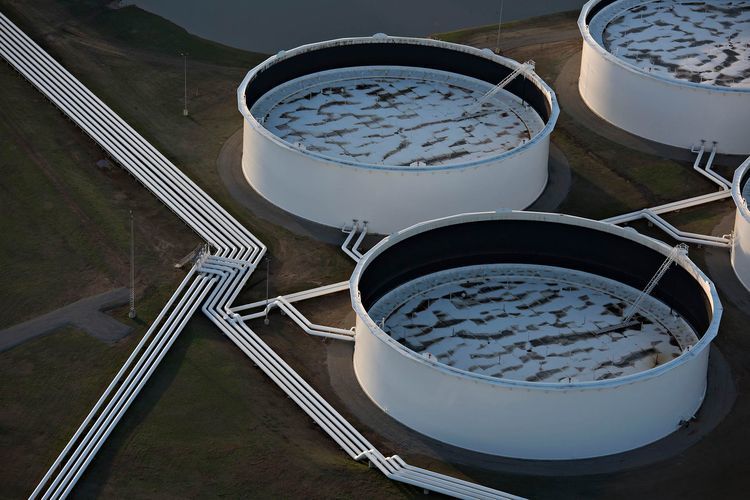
(527, 335)
(394, 130)
(673, 71)
(741, 236)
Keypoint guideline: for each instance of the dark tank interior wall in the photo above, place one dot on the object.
(598, 8)
(744, 180)
(394, 54)
(534, 242)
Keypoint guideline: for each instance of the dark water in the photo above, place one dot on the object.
(269, 26)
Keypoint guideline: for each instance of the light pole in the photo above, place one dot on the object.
(499, 24)
(131, 313)
(184, 59)
(268, 274)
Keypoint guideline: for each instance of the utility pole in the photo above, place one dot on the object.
(268, 275)
(499, 23)
(131, 313)
(184, 59)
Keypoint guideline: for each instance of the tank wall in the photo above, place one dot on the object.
(500, 419)
(541, 239)
(517, 418)
(397, 51)
(741, 249)
(660, 110)
(333, 194)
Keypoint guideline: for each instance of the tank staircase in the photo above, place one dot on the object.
(676, 252)
(628, 318)
(476, 109)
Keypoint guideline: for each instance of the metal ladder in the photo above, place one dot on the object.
(678, 250)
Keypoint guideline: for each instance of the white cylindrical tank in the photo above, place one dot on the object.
(641, 90)
(569, 419)
(353, 168)
(741, 238)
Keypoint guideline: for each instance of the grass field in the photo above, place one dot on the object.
(70, 239)
(208, 423)
(211, 425)
(66, 227)
(67, 221)
(131, 60)
(486, 36)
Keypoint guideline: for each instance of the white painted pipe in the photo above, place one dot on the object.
(355, 248)
(144, 340)
(687, 237)
(238, 253)
(80, 454)
(652, 214)
(707, 172)
(285, 377)
(124, 126)
(309, 327)
(345, 245)
(184, 316)
(298, 296)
